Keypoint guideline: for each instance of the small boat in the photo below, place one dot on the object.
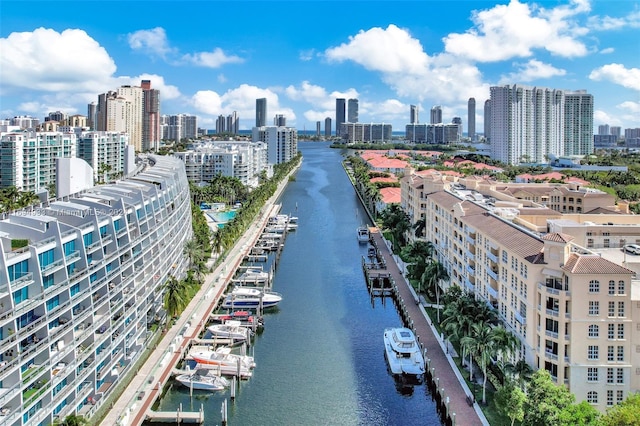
(243, 317)
(403, 352)
(227, 370)
(222, 357)
(363, 234)
(202, 379)
(251, 298)
(231, 329)
(253, 276)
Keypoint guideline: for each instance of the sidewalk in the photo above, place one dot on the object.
(147, 384)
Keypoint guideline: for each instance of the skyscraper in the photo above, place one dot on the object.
(121, 111)
(487, 119)
(232, 123)
(261, 112)
(413, 114)
(471, 117)
(340, 114)
(353, 111)
(603, 129)
(527, 123)
(91, 115)
(436, 114)
(458, 122)
(318, 127)
(221, 124)
(615, 131)
(578, 123)
(280, 120)
(327, 127)
(151, 134)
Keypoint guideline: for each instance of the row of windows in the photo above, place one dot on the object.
(594, 331)
(592, 397)
(594, 308)
(594, 287)
(593, 353)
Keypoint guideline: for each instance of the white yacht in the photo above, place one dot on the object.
(363, 234)
(230, 330)
(403, 352)
(203, 379)
(254, 276)
(251, 298)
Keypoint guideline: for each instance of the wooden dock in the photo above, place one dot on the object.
(176, 417)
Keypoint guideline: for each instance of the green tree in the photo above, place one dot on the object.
(433, 275)
(175, 296)
(626, 413)
(419, 227)
(72, 420)
(582, 414)
(545, 400)
(509, 401)
(481, 342)
(521, 371)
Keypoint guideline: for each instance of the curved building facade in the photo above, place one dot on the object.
(81, 284)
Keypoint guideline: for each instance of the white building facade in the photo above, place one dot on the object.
(281, 142)
(81, 285)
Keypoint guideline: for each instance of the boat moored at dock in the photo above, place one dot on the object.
(403, 352)
(251, 298)
(363, 234)
(203, 379)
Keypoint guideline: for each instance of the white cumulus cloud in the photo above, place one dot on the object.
(618, 74)
(514, 30)
(152, 42)
(51, 61)
(167, 91)
(213, 59)
(530, 71)
(387, 50)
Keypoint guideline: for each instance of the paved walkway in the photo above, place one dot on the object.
(147, 384)
(448, 377)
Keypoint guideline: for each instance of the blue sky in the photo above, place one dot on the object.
(211, 58)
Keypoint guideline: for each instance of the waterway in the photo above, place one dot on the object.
(320, 358)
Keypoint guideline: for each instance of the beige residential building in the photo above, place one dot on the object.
(576, 312)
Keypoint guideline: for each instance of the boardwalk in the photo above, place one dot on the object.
(448, 378)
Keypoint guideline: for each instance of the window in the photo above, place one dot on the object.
(18, 270)
(594, 286)
(612, 287)
(620, 376)
(592, 352)
(609, 398)
(594, 331)
(621, 331)
(619, 396)
(45, 258)
(610, 353)
(592, 374)
(611, 331)
(21, 295)
(621, 287)
(612, 309)
(610, 375)
(505, 257)
(52, 303)
(594, 307)
(69, 247)
(47, 281)
(592, 397)
(75, 289)
(621, 309)
(88, 239)
(620, 353)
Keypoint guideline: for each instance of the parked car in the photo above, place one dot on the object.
(632, 248)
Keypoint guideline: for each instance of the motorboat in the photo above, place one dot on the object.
(222, 357)
(230, 329)
(276, 228)
(403, 352)
(245, 318)
(251, 298)
(203, 379)
(253, 276)
(363, 234)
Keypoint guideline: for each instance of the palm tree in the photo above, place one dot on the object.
(432, 276)
(27, 198)
(175, 296)
(196, 257)
(418, 253)
(481, 342)
(521, 371)
(72, 420)
(419, 227)
(506, 343)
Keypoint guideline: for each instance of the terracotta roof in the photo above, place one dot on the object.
(392, 179)
(592, 264)
(539, 211)
(603, 210)
(558, 237)
(387, 163)
(390, 195)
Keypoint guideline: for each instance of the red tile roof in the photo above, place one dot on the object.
(592, 264)
(390, 195)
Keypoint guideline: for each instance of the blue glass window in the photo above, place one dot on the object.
(117, 224)
(48, 280)
(88, 239)
(93, 277)
(69, 247)
(21, 295)
(103, 230)
(18, 270)
(45, 258)
(52, 303)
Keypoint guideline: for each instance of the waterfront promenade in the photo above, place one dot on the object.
(448, 378)
(146, 386)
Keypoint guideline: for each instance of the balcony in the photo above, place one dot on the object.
(493, 257)
(24, 280)
(493, 292)
(469, 285)
(552, 312)
(52, 267)
(520, 318)
(551, 334)
(471, 270)
(470, 256)
(492, 274)
(471, 239)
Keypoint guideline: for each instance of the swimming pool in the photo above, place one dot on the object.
(222, 217)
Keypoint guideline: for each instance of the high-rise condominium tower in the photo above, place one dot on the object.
(436, 114)
(280, 120)
(121, 111)
(527, 123)
(578, 123)
(151, 134)
(413, 114)
(327, 127)
(487, 119)
(353, 111)
(91, 115)
(340, 114)
(603, 129)
(261, 112)
(471, 117)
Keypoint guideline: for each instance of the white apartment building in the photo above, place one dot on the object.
(365, 132)
(178, 127)
(281, 142)
(239, 159)
(103, 148)
(527, 123)
(575, 311)
(121, 111)
(27, 158)
(80, 287)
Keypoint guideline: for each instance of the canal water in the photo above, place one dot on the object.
(320, 357)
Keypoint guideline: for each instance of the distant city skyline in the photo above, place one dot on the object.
(62, 61)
